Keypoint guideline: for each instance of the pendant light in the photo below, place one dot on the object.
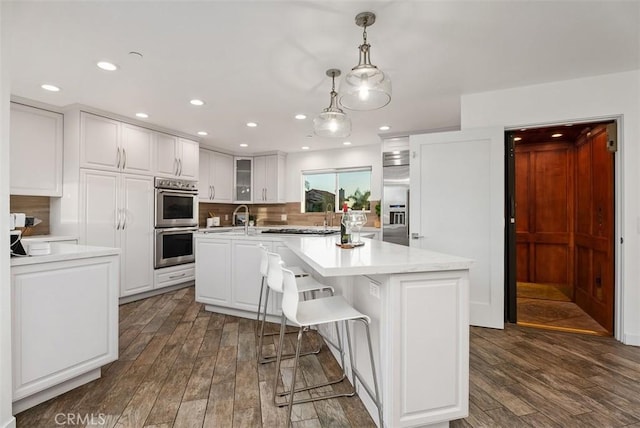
(332, 122)
(365, 87)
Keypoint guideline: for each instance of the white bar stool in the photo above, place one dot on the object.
(315, 312)
(307, 284)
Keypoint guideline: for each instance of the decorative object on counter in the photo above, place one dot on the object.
(212, 220)
(344, 232)
(357, 220)
(376, 223)
(332, 122)
(365, 87)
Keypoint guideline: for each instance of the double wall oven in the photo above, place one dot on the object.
(175, 221)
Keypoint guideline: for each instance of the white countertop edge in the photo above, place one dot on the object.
(390, 258)
(48, 238)
(64, 252)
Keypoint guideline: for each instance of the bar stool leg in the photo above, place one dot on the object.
(264, 320)
(260, 303)
(283, 326)
(293, 376)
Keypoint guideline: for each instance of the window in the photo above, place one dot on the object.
(329, 189)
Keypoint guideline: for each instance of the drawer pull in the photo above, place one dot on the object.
(178, 276)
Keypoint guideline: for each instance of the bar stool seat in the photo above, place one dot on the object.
(304, 314)
(307, 284)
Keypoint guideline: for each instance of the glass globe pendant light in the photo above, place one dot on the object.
(332, 122)
(365, 87)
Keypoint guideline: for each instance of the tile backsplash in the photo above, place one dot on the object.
(272, 214)
(36, 206)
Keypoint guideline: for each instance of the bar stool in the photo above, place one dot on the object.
(307, 284)
(315, 312)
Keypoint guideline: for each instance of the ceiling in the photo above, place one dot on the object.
(265, 61)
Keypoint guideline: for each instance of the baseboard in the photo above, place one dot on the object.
(631, 339)
(11, 423)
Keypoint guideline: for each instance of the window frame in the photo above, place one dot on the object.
(335, 172)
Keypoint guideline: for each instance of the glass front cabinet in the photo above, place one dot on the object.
(243, 179)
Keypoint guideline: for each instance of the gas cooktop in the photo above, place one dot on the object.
(290, 231)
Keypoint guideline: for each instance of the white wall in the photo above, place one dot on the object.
(6, 417)
(574, 100)
(369, 155)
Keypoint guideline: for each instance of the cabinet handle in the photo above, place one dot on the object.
(118, 219)
(175, 166)
(124, 219)
(180, 167)
(178, 276)
(214, 192)
(118, 158)
(124, 158)
(265, 193)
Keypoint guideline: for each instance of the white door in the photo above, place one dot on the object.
(136, 234)
(101, 217)
(222, 180)
(213, 272)
(205, 191)
(271, 179)
(166, 160)
(245, 274)
(457, 207)
(259, 178)
(189, 152)
(99, 142)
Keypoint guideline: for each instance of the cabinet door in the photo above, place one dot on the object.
(205, 191)
(136, 234)
(259, 174)
(36, 151)
(213, 266)
(166, 160)
(101, 218)
(137, 149)
(99, 142)
(274, 178)
(222, 181)
(245, 271)
(188, 155)
(243, 180)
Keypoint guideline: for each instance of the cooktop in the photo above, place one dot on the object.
(290, 231)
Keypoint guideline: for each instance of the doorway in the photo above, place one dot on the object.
(560, 229)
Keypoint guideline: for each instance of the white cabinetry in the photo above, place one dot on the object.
(36, 151)
(111, 145)
(216, 177)
(213, 271)
(268, 179)
(65, 325)
(176, 157)
(245, 273)
(243, 179)
(118, 212)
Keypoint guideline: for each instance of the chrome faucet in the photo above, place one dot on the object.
(328, 213)
(246, 219)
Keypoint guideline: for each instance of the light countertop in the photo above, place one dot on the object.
(63, 252)
(373, 258)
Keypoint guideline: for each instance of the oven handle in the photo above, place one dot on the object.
(174, 230)
(176, 192)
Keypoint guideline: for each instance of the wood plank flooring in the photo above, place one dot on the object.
(181, 366)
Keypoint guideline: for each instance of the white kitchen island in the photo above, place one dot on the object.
(64, 320)
(418, 302)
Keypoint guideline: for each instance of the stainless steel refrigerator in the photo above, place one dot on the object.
(395, 197)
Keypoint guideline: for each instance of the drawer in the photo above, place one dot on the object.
(173, 275)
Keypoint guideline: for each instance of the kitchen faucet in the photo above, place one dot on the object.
(246, 219)
(328, 212)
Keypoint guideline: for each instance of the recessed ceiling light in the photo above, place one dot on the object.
(347, 143)
(305, 147)
(517, 138)
(196, 102)
(244, 145)
(107, 66)
(384, 128)
(142, 115)
(252, 124)
(51, 88)
(203, 133)
(556, 135)
(301, 116)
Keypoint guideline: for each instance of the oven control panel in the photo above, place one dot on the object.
(176, 184)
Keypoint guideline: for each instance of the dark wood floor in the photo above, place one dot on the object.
(182, 366)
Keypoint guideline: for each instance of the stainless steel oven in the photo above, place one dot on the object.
(176, 203)
(174, 246)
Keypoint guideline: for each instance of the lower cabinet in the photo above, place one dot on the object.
(174, 275)
(65, 325)
(213, 271)
(228, 274)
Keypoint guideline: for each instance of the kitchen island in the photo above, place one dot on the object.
(418, 302)
(64, 320)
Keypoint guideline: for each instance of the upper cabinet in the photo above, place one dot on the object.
(268, 178)
(36, 151)
(111, 145)
(176, 157)
(216, 177)
(243, 179)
